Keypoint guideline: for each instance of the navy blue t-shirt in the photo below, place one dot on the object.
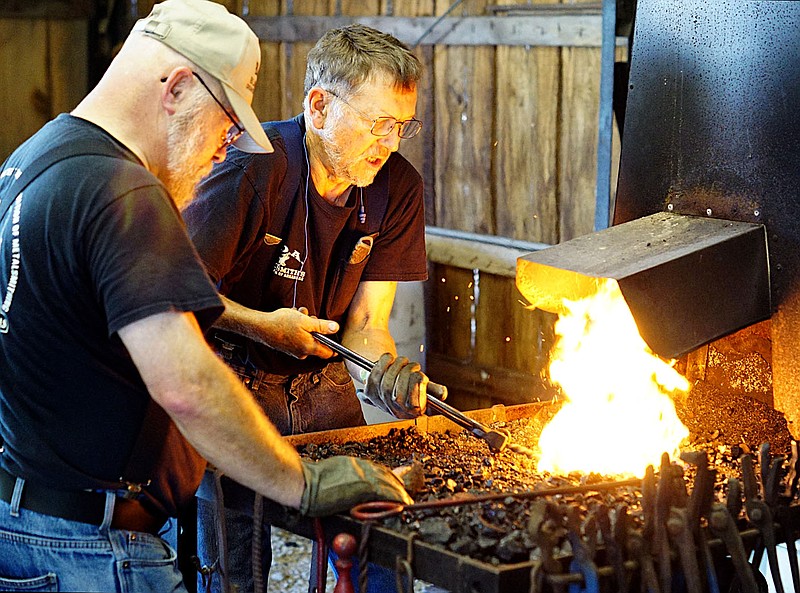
(92, 245)
(319, 253)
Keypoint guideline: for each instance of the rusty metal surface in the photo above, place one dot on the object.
(710, 123)
(687, 280)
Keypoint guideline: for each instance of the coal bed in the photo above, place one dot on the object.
(455, 464)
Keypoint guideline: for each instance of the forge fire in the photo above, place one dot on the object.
(617, 392)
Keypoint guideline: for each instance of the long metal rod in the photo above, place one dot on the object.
(381, 509)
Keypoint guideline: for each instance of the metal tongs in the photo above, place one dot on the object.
(496, 439)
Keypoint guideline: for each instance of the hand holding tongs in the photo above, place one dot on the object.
(496, 439)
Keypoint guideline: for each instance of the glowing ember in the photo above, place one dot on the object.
(619, 416)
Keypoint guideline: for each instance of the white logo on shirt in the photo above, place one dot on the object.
(284, 271)
(13, 274)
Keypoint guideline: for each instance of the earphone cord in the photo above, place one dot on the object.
(305, 225)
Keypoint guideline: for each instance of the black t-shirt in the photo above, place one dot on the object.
(320, 252)
(92, 245)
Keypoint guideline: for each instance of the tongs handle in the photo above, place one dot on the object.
(366, 364)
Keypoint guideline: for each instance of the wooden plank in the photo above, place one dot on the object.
(360, 7)
(451, 297)
(554, 30)
(578, 151)
(47, 9)
(267, 100)
(464, 79)
(67, 65)
(473, 387)
(143, 6)
(406, 8)
(464, 107)
(420, 150)
(524, 186)
(578, 165)
(293, 63)
(525, 173)
(24, 103)
(483, 255)
(508, 335)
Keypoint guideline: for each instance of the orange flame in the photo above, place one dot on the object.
(619, 416)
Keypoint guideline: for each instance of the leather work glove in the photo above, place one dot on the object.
(397, 386)
(339, 483)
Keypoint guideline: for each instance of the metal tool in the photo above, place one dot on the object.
(382, 509)
(583, 552)
(495, 438)
(723, 526)
(759, 515)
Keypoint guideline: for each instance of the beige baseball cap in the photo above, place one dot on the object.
(221, 44)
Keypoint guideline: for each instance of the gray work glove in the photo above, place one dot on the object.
(397, 386)
(339, 483)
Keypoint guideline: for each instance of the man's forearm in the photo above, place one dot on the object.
(211, 407)
(242, 320)
(232, 432)
(286, 330)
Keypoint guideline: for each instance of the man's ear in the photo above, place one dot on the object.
(174, 88)
(317, 101)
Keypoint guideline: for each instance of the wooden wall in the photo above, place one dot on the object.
(508, 149)
(43, 72)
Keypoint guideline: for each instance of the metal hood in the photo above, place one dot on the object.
(687, 280)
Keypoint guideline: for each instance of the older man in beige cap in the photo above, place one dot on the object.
(110, 399)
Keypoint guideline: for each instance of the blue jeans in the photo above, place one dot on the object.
(43, 553)
(239, 528)
(308, 402)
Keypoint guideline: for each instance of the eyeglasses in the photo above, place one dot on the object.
(383, 126)
(236, 131)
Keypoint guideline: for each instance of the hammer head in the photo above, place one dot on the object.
(496, 439)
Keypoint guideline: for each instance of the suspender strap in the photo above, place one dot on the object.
(293, 139)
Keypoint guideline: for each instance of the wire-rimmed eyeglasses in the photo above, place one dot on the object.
(236, 130)
(383, 125)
